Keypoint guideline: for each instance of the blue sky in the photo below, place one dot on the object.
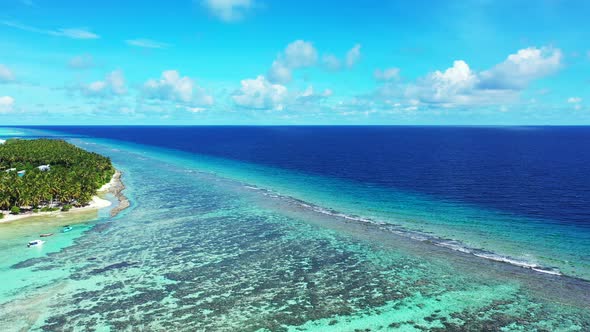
(465, 62)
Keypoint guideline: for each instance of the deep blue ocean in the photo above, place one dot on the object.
(540, 172)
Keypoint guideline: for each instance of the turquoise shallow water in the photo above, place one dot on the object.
(199, 250)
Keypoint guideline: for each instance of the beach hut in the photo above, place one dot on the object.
(44, 168)
(10, 170)
(21, 173)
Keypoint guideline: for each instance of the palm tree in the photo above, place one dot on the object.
(74, 177)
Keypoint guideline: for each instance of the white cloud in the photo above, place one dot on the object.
(259, 93)
(73, 33)
(309, 96)
(454, 85)
(386, 74)
(279, 73)
(195, 109)
(81, 62)
(97, 87)
(80, 33)
(116, 80)
(309, 92)
(172, 87)
(113, 84)
(146, 43)
(462, 86)
(6, 103)
(353, 55)
(574, 100)
(303, 54)
(298, 54)
(6, 75)
(331, 62)
(519, 69)
(228, 10)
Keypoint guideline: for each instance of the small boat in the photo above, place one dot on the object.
(35, 243)
(66, 229)
(46, 234)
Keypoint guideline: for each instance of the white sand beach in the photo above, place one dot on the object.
(114, 180)
(95, 204)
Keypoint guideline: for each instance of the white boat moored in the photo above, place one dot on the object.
(35, 243)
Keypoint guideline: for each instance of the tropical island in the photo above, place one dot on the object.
(46, 175)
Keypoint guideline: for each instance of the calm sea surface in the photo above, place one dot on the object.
(541, 172)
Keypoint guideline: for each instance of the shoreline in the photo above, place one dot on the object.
(115, 187)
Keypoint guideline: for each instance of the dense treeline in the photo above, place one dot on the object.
(73, 177)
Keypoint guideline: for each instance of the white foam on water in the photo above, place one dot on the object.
(411, 234)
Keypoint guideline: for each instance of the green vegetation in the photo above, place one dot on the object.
(15, 210)
(72, 180)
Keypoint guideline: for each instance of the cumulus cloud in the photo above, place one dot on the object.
(519, 69)
(331, 62)
(6, 103)
(303, 54)
(386, 74)
(460, 85)
(454, 85)
(279, 73)
(146, 43)
(73, 33)
(574, 100)
(259, 93)
(81, 62)
(173, 87)
(195, 109)
(6, 75)
(353, 55)
(112, 85)
(228, 10)
(298, 54)
(309, 95)
(311, 92)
